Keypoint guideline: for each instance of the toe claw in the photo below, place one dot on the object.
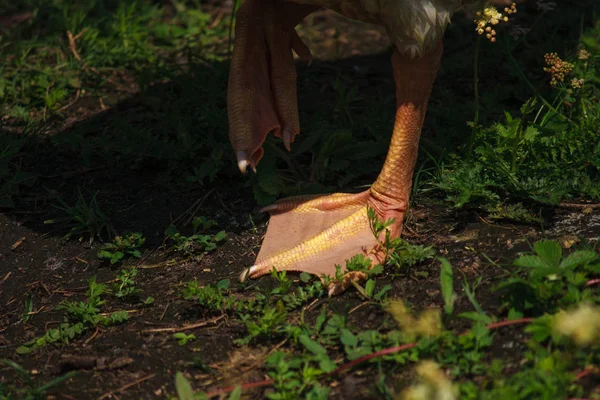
(244, 162)
(247, 273)
(333, 290)
(269, 208)
(287, 139)
(242, 159)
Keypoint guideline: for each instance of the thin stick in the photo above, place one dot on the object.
(185, 327)
(93, 336)
(579, 205)
(125, 387)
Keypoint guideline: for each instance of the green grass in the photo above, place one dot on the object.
(81, 316)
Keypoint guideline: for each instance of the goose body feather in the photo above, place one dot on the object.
(414, 26)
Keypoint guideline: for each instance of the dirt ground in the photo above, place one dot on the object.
(127, 361)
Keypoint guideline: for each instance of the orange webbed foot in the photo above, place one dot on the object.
(313, 234)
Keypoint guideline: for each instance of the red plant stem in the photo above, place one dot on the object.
(348, 365)
(397, 349)
(500, 324)
(586, 372)
(592, 282)
(389, 350)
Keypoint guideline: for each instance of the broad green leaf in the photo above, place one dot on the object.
(531, 262)
(223, 284)
(183, 387)
(348, 338)
(376, 270)
(312, 346)
(549, 251)
(171, 230)
(220, 236)
(116, 257)
(579, 258)
(514, 314)
(326, 364)
(23, 350)
(594, 268)
(136, 254)
(104, 254)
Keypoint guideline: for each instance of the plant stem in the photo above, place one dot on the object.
(530, 85)
(516, 141)
(475, 126)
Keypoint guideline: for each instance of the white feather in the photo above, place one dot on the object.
(414, 26)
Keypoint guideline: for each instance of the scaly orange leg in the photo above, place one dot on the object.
(314, 233)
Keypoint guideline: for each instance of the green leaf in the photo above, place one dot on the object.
(380, 295)
(514, 314)
(594, 268)
(171, 230)
(136, 254)
(348, 338)
(578, 258)
(305, 277)
(549, 251)
(476, 316)
(447, 284)
(236, 394)
(223, 284)
(183, 387)
(116, 257)
(376, 270)
(320, 319)
(221, 235)
(530, 262)
(23, 350)
(326, 364)
(312, 346)
(370, 287)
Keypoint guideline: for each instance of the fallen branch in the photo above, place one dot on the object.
(579, 205)
(185, 327)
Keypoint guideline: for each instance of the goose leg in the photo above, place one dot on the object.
(261, 94)
(314, 233)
